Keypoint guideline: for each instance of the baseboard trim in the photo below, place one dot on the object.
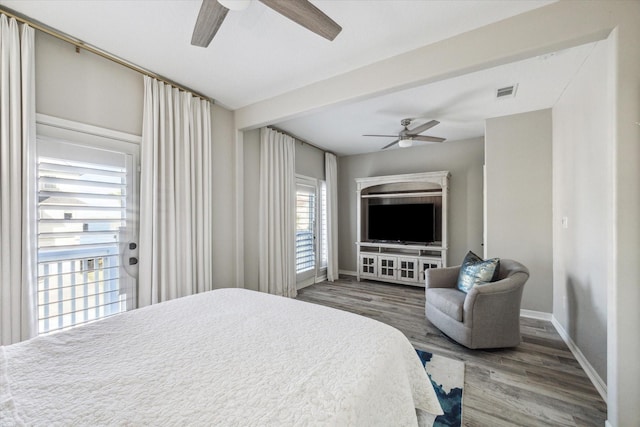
(306, 282)
(532, 314)
(582, 360)
(348, 273)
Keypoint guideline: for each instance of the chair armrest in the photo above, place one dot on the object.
(513, 283)
(446, 277)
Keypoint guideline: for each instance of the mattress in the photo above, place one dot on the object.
(229, 357)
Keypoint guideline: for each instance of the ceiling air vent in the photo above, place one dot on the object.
(507, 92)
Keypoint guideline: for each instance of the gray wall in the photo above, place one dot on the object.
(85, 87)
(518, 199)
(463, 159)
(309, 162)
(251, 168)
(89, 89)
(224, 197)
(583, 179)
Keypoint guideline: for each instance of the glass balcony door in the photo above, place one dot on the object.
(311, 255)
(87, 231)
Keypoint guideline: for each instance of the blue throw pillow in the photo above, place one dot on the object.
(476, 271)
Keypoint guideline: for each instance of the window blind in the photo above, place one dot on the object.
(323, 225)
(81, 210)
(305, 220)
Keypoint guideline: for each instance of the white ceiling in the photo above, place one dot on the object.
(461, 104)
(258, 54)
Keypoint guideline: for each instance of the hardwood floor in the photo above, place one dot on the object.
(538, 383)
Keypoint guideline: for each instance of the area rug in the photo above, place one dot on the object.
(447, 377)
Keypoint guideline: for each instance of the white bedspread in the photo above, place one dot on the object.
(229, 357)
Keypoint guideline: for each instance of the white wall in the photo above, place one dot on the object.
(582, 183)
(87, 88)
(623, 339)
(463, 159)
(518, 199)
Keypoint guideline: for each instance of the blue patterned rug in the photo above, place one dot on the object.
(447, 377)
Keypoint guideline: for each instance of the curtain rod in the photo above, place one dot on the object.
(277, 129)
(79, 44)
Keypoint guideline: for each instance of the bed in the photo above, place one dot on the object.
(229, 357)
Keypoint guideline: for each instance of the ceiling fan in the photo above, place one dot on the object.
(406, 137)
(302, 12)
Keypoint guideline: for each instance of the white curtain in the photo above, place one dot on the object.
(175, 195)
(277, 206)
(331, 176)
(17, 183)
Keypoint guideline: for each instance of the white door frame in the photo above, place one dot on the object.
(318, 273)
(78, 137)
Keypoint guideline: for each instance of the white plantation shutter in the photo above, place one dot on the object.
(305, 235)
(324, 254)
(81, 212)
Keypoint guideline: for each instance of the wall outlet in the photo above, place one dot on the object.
(565, 222)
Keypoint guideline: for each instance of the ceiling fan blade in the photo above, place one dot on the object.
(390, 145)
(428, 138)
(209, 20)
(423, 127)
(306, 14)
(386, 136)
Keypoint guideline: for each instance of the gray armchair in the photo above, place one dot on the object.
(486, 317)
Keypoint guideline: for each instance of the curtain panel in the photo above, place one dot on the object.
(331, 176)
(175, 195)
(18, 303)
(277, 205)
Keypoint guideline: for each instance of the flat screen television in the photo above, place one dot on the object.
(403, 223)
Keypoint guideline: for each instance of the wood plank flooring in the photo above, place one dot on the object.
(538, 383)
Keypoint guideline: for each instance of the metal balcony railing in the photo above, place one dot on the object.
(77, 286)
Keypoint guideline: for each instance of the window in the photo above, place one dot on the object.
(324, 254)
(305, 228)
(311, 222)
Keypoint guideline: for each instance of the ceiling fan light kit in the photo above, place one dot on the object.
(406, 136)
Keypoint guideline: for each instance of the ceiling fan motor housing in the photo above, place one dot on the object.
(406, 136)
